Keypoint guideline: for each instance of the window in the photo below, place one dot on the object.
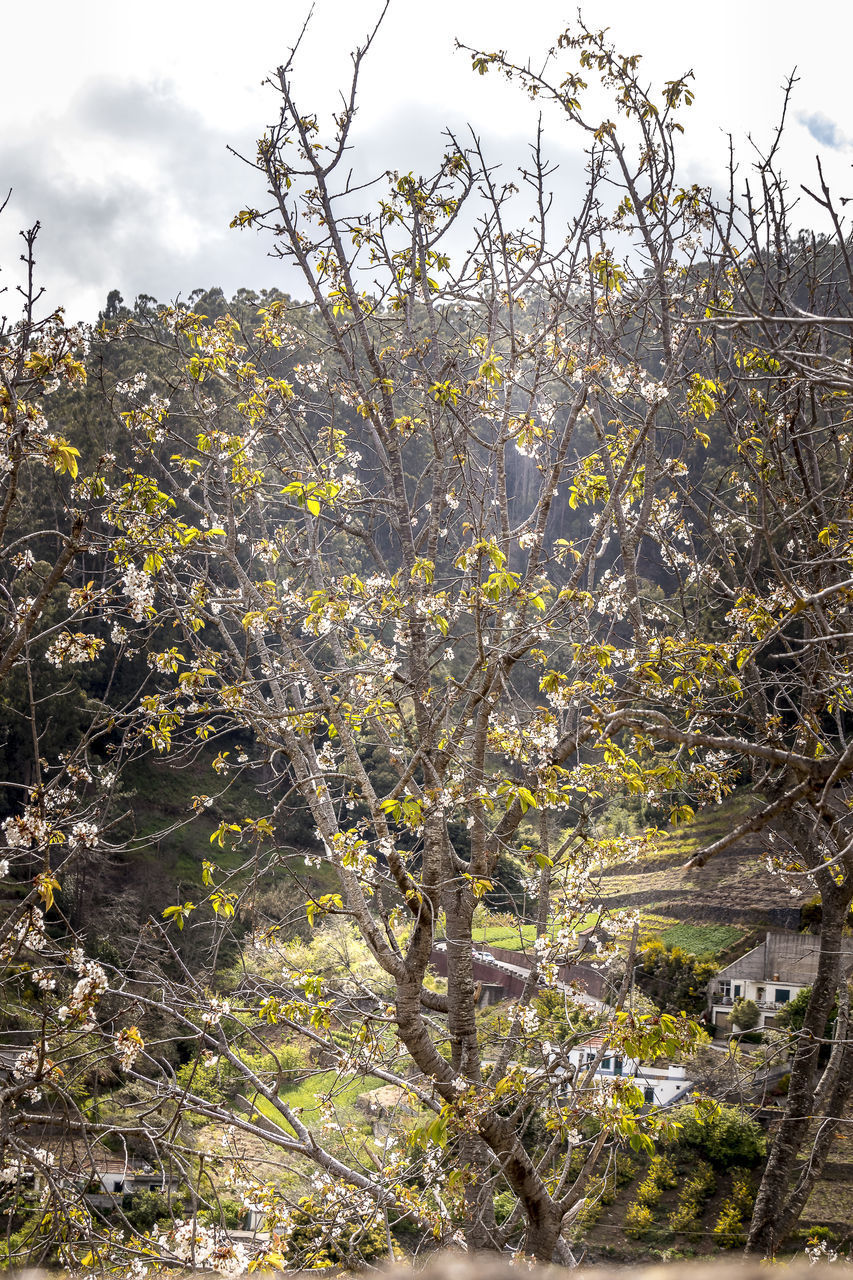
(726, 990)
(605, 1064)
(648, 1094)
(737, 989)
(617, 1066)
(783, 995)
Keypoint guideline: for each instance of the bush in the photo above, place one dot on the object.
(743, 1192)
(728, 1229)
(695, 1191)
(684, 1217)
(735, 1208)
(673, 978)
(316, 1242)
(145, 1208)
(725, 1136)
(701, 1184)
(227, 1212)
(505, 1202)
(792, 1015)
(745, 1014)
(661, 1175)
(663, 1171)
(639, 1220)
(625, 1171)
(649, 1192)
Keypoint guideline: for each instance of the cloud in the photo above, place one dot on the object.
(825, 131)
(135, 191)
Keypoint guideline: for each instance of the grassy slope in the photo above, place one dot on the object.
(733, 891)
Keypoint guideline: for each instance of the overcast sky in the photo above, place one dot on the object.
(117, 117)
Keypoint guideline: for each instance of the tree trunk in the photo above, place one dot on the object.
(836, 1097)
(765, 1230)
(543, 1235)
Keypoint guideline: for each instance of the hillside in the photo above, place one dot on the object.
(734, 888)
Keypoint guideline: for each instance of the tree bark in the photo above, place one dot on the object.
(765, 1231)
(837, 1095)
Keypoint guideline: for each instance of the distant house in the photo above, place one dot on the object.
(102, 1176)
(114, 1176)
(661, 1086)
(770, 975)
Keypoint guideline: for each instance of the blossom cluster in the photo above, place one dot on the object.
(87, 992)
(73, 647)
(205, 1247)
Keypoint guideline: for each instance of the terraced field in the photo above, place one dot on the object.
(734, 889)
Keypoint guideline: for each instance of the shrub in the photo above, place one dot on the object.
(504, 1205)
(728, 1229)
(673, 978)
(745, 1014)
(663, 1171)
(697, 1188)
(725, 1136)
(701, 1184)
(639, 1220)
(729, 1225)
(743, 1192)
(315, 1241)
(230, 1213)
(625, 1171)
(684, 1216)
(649, 1191)
(661, 1175)
(816, 1234)
(792, 1015)
(145, 1208)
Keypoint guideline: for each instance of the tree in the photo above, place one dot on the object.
(366, 559)
(451, 554)
(764, 575)
(745, 1014)
(69, 626)
(676, 980)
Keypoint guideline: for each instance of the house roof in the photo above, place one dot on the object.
(74, 1155)
(785, 957)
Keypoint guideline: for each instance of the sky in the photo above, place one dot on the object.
(118, 118)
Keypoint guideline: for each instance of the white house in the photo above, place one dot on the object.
(662, 1086)
(770, 975)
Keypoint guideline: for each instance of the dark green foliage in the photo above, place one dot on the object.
(745, 1014)
(349, 1243)
(792, 1015)
(673, 978)
(146, 1208)
(724, 1136)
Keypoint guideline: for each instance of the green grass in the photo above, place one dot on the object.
(702, 939)
(502, 935)
(305, 1096)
